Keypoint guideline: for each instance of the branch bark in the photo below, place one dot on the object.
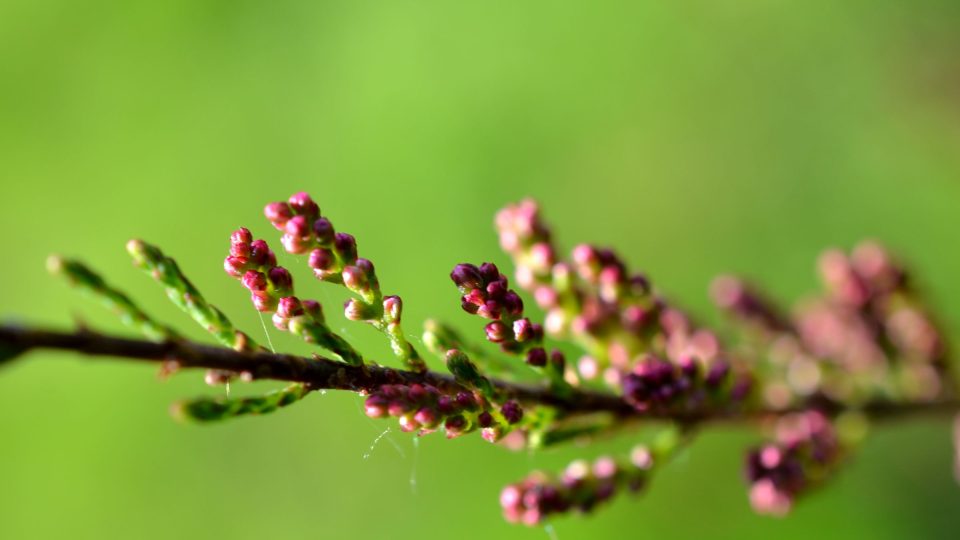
(323, 373)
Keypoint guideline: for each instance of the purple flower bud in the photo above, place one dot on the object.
(416, 393)
(466, 277)
(281, 279)
(497, 332)
(640, 284)
(235, 266)
(446, 404)
(313, 308)
(346, 245)
(512, 304)
(324, 231)
(298, 227)
(278, 213)
(321, 259)
(392, 307)
(490, 273)
(537, 357)
(468, 306)
(558, 360)
(466, 401)
(260, 254)
(512, 412)
(495, 291)
(254, 281)
(717, 373)
(454, 426)
(485, 419)
(302, 204)
(367, 267)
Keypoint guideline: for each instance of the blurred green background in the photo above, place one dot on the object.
(698, 137)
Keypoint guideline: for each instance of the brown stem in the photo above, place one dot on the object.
(324, 373)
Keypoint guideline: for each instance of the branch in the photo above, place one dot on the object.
(324, 373)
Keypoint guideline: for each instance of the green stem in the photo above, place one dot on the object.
(81, 276)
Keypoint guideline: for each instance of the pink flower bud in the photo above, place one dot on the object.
(354, 278)
(354, 310)
(303, 205)
(254, 281)
(235, 266)
(392, 307)
(497, 332)
(289, 306)
(298, 226)
(278, 214)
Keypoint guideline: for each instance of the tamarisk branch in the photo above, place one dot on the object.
(323, 373)
(811, 379)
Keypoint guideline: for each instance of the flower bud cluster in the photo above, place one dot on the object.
(746, 304)
(868, 333)
(655, 384)
(426, 408)
(580, 488)
(805, 451)
(255, 265)
(594, 297)
(271, 290)
(525, 237)
(871, 321)
(333, 258)
(486, 293)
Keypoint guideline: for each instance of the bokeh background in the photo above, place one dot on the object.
(699, 137)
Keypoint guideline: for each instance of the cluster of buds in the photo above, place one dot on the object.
(271, 290)
(805, 451)
(426, 408)
(869, 333)
(866, 347)
(685, 386)
(486, 293)
(594, 298)
(734, 296)
(579, 488)
(255, 264)
(333, 258)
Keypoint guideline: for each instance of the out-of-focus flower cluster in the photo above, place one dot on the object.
(868, 335)
(579, 488)
(805, 451)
